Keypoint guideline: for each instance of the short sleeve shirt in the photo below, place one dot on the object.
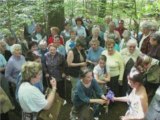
(30, 98)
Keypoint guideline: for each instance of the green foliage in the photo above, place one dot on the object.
(15, 13)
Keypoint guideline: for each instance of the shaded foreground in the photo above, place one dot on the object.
(115, 111)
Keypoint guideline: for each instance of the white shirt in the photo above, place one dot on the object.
(30, 98)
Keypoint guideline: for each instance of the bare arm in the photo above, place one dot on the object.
(107, 77)
(51, 95)
(70, 58)
(98, 80)
(99, 101)
(121, 99)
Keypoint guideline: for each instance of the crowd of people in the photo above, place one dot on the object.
(93, 58)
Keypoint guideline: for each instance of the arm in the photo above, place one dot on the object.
(121, 68)
(8, 72)
(144, 102)
(99, 101)
(98, 80)
(70, 58)
(107, 77)
(121, 99)
(51, 95)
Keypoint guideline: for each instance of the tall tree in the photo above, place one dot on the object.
(56, 16)
(102, 8)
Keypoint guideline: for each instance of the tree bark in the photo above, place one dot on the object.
(56, 17)
(102, 8)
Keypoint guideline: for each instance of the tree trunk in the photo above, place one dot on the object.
(56, 17)
(102, 8)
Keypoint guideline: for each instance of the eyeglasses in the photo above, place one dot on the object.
(132, 46)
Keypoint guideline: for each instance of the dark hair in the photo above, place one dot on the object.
(66, 23)
(103, 57)
(80, 43)
(30, 56)
(141, 61)
(136, 75)
(57, 36)
(31, 44)
(79, 19)
(156, 36)
(84, 72)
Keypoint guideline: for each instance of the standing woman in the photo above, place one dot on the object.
(94, 53)
(13, 67)
(155, 46)
(54, 67)
(76, 60)
(137, 99)
(30, 98)
(129, 55)
(115, 64)
(54, 32)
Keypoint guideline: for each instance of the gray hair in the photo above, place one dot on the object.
(14, 47)
(95, 28)
(126, 34)
(156, 36)
(132, 42)
(146, 25)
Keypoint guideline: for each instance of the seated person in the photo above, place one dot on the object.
(84, 92)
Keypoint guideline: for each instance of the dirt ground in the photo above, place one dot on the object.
(115, 111)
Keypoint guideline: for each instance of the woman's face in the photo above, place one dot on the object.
(34, 48)
(67, 27)
(54, 32)
(153, 42)
(102, 63)
(94, 46)
(73, 35)
(2, 46)
(88, 78)
(96, 33)
(131, 48)
(79, 23)
(17, 52)
(38, 28)
(110, 49)
(52, 50)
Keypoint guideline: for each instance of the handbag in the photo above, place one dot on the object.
(53, 112)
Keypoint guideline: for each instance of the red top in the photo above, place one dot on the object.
(120, 30)
(51, 40)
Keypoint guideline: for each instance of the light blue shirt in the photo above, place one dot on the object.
(13, 68)
(3, 61)
(94, 55)
(80, 31)
(61, 50)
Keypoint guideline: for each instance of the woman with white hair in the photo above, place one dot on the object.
(14, 64)
(126, 36)
(144, 44)
(95, 35)
(13, 69)
(129, 55)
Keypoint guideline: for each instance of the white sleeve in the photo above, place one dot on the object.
(36, 101)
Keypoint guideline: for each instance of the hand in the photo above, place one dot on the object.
(63, 75)
(122, 118)
(53, 83)
(120, 82)
(47, 75)
(84, 64)
(101, 101)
